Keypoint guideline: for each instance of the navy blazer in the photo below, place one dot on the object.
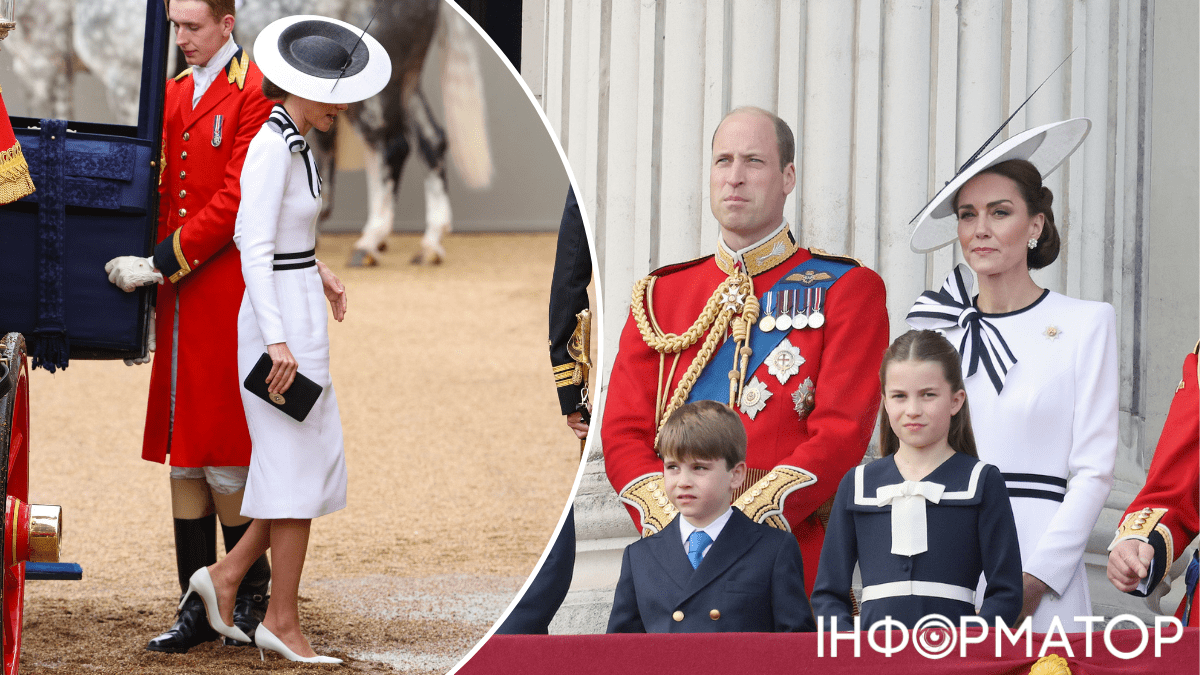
(751, 580)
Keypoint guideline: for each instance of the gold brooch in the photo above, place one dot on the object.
(1052, 332)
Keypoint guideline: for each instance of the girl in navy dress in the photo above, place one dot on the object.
(927, 518)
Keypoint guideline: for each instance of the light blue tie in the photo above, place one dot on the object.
(697, 542)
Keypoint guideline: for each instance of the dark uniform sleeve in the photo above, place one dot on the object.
(789, 602)
(1001, 552)
(839, 554)
(568, 297)
(625, 617)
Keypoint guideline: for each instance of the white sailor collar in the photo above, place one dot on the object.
(766, 254)
(959, 477)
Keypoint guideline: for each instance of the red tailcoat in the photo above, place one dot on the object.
(1169, 500)
(842, 359)
(199, 191)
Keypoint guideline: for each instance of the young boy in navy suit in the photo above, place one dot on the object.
(712, 569)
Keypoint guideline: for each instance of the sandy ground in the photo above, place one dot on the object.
(459, 467)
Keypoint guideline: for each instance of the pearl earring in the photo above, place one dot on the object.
(1032, 243)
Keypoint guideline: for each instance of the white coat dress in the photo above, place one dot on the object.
(297, 469)
(1052, 432)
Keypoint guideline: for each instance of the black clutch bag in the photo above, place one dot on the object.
(296, 402)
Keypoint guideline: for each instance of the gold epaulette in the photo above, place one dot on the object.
(185, 73)
(825, 255)
(1140, 524)
(238, 68)
(763, 502)
(648, 495)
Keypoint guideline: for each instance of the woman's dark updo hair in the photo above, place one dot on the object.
(273, 91)
(1038, 199)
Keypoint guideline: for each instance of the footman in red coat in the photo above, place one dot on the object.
(194, 415)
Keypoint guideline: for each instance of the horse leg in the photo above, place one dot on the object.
(431, 139)
(381, 187)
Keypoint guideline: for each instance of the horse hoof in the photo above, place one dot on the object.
(361, 258)
(427, 257)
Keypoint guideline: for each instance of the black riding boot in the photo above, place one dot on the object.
(195, 547)
(252, 593)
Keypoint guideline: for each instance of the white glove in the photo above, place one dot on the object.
(129, 272)
(150, 346)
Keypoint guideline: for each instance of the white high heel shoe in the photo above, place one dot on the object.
(201, 584)
(265, 639)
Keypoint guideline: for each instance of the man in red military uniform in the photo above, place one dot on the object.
(1163, 519)
(791, 339)
(194, 415)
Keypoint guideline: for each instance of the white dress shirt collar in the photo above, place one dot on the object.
(713, 529)
(204, 76)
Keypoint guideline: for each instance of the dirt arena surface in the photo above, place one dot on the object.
(459, 465)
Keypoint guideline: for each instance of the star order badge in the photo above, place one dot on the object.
(804, 399)
(754, 397)
(733, 299)
(784, 361)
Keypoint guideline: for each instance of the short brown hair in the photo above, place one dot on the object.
(219, 8)
(927, 346)
(273, 91)
(1038, 199)
(704, 430)
(784, 139)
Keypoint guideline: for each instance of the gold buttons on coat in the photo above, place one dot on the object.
(183, 193)
(678, 615)
(182, 175)
(186, 136)
(183, 155)
(182, 212)
(714, 614)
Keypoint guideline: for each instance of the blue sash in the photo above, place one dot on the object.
(713, 383)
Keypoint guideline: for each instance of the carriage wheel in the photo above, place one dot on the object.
(14, 478)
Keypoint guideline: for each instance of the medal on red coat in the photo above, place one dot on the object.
(784, 322)
(784, 361)
(767, 323)
(803, 398)
(800, 312)
(754, 397)
(218, 123)
(817, 319)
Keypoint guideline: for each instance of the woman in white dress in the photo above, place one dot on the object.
(1041, 367)
(314, 66)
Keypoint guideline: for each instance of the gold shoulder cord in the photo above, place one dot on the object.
(733, 300)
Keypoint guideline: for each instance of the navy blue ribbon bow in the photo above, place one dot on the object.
(982, 343)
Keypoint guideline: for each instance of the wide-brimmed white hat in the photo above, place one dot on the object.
(1046, 147)
(322, 59)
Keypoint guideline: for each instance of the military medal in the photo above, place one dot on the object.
(803, 398)
(784, 322)
(767, 324)
(218, 122)
(754, 397)
(784, 361)
(817, 319)
(800, 314)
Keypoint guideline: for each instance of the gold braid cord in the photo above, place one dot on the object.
(714, 320)
(763, 502)
(648, 495)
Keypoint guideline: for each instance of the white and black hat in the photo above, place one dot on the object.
(322, 59)
(1046, 147)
